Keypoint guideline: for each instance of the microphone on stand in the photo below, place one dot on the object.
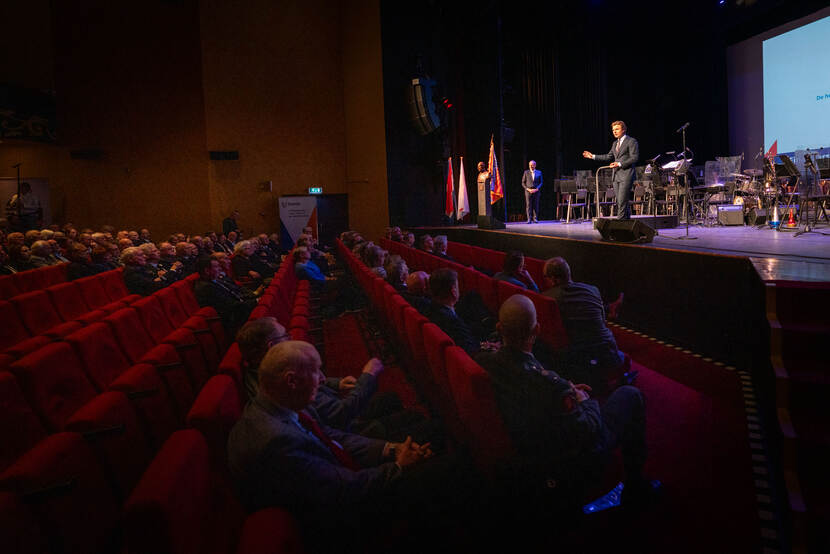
(682, 127)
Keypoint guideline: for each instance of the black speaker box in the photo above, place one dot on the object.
(625, 230)
(489, 222)
(756, 216)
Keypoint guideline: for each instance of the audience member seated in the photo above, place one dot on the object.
(395, 234)
(443, 286)
(186, 253)
(41, 254)
(343, 487)
(409, 239)
(375, 258)
(102, 258)
(31, 236)
(57, 250)
(554, 424)
(231, 302)
(20, 258)
(5, 267)
(139, 277)
(592, 350)
(144, 236)
(80, 263)
(348, 403)
(397, 272)
(426, 243)
(439, 247)
(514, 272)
(153, 256)
(320, 258)
(221, 244)
(416, 291)
(15, 239)
(243, 270)
(307, 270)
(167, 256)
(231, 239)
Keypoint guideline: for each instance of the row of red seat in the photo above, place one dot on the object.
(125, 384)
(451, 381)
(33, 319)
(493, 292)
(31, 280)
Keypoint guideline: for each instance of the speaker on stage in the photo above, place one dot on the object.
(756, 216)
(624, 230)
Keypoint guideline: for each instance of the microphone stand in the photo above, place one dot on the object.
(688, 190)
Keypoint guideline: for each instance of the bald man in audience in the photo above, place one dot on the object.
(41, 254)
(417, 291)
(554, 424)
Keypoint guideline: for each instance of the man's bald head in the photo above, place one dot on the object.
(417, 283)
(289, 374)
(517, 320)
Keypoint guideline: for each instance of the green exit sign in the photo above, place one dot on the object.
(315, 190)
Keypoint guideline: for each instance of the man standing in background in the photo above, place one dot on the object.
(532, 183)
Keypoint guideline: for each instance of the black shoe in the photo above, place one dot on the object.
(535, 221)
(528, 222)
(640, 494)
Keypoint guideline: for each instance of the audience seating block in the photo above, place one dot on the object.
(20, 427)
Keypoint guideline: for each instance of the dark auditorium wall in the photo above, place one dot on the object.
(294, 87)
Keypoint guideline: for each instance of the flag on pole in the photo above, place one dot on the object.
(463, 201)
(496, 186)
(449, 208)
(773, 150)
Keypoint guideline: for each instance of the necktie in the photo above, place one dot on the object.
(339, 452)
(618, 144)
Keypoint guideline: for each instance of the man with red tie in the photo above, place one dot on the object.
(624, 153)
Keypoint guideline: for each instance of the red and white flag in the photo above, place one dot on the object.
(773, 150)
(449, 208)
(463, 201)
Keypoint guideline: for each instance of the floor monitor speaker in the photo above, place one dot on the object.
(624, 230)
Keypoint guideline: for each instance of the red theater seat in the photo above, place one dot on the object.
(95, 295)
(231, 364)
(54, 383)
(102, 358)
(113, 283)
(214, 413)
(151, 398)
(110, 424)
(153, 318)
(436, 342)
(20, 531)
(8, 287)
(13, 331)
(187, 512)
(172, 306)
(130, 333)
(70, 304)
(477, 409)
(61, 479)
(40, 317)
(20, 427)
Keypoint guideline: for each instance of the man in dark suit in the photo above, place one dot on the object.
(624, 153)
(554, 424)
(228, 299)
(280, 454)
(532, 183)
(443, 284)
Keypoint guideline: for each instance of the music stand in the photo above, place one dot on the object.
(683, 166)
(804, 204)
(792, 171)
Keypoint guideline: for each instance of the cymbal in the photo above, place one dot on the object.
(754, 172)
(738, 175)
(708, 187)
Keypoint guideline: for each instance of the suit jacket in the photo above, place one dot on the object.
(452, 324)
(274, 461)
(532, 180)
(232, 305)
(627, 156)
(142, 280)
(531, 401)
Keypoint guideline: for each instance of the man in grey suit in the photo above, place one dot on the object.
(532, 183)
(624, 153)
